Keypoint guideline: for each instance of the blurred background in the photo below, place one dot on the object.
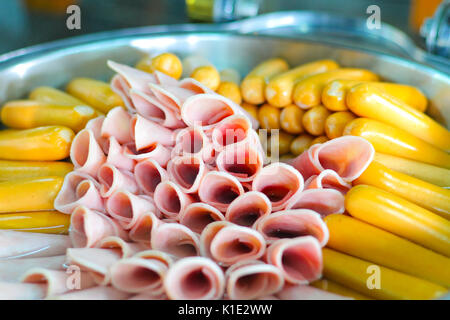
(28, 22)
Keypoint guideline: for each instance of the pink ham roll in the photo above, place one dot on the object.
(116, 155)
(137, 275)
(187, 171)
(165, 79)
(242, 160)
(219, 189)
(170, 199)
(78, 189)
(279, 182)
(57, 282)
(14, 244)
(135, 79)
(323, 201)
(146, 133)
(207, 110)
(89, 227)
(292, 224)
(302, 292)
(117, 125)
(95, 125)
(248, 207)
(143, 228)
(175, 239)
(152, 109)
(11, 270)
(120, 86)
(194, 278)
(197, 216)
(126, 207)
(228, 243)
(299, 258)
(148, 174)
(86, 154)
(194, 141)
(232, 129)
(348, 156)
(94, 293)
(193, 85)
(163, 257)
(157, 152)
(328, 179)
(253, 279)
(22, 291)
(113, 179)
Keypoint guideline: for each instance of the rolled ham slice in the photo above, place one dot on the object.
(300, 259)
(86, 154)
(170, 199)
(11, 270)
(187, 171)
(328, 179)
(126, 207)
(228, 243)
(88, 227)
(175, 239)
(323, 201)
(116, 155)
(242, 160)
(148, 174)
(248, 207)
(21, 291)
(120, 86)
(171, 96)
(78, 189)
(219, 189)
(193, 85)
(303, 292)
(152, 109)
(197, 216)
(15, 244)
(194, 141)
(163, 257)
(58, 282)
(142, 229)
(164, 79)
(348, 156)
(137, 275)
(279, 182)
(253, 279)
(112, 179)
(146, 133)
(156, 151)
(135, 79)
(94, 293)
(194, 278)
(292, 224)
(117, 125)
(230, 130)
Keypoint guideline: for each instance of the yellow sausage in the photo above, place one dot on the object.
(291, 119)
(399, 216)
(334, 287)
(208, 75)
(55, 96)
(361, 276)
(423, 171)
(37, 144)
(52, 222)
(279, 89)
(279, 142)
(319, 139)
(314, 120)
(251, 109)
(307, 92)
(397, 142)
(364, 241)
(26, 114)
(29, 194)
(12, 170)
(368, 101)
(97, 94)
(231, 91)
(301, 144)
(254, 84)
(336, 122)
(335, 93)
(422, 193)
(269, 117)
(167, 63)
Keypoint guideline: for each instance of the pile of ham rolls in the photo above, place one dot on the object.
(174, 198)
